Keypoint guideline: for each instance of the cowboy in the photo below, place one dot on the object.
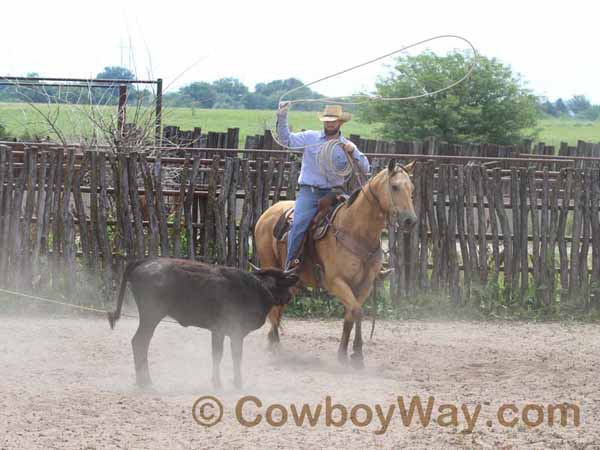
(314, 181)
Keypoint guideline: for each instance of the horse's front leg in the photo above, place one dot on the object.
(361, 296)
(352, 315)
(343, 348)
(357, 347)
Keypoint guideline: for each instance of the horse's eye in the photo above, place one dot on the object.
(395, 188)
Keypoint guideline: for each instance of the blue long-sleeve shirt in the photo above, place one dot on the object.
(312, 143)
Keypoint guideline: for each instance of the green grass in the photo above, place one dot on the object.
(19, 119)
(555, 131)
(26, 121)
(253, 122)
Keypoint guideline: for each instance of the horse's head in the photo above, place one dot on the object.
(394, 192)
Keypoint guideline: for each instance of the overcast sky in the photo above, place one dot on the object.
(553, 45)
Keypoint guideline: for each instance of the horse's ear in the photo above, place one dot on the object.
(392, 165)
(410, 167)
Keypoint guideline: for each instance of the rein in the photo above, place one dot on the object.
(361, 181)
(355, 245)
(359, 176)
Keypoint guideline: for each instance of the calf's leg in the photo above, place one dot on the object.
(237, 344)
(217, 339)
(140, 344)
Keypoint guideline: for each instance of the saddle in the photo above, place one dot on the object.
(328, 208)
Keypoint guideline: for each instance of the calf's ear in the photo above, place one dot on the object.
(253, 267)
(290, 279)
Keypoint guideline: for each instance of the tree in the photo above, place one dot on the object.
(33, 91)
(199, 94)
(255, 101)
(115, 73)
(560, 106)
(578, 104)
(110, 95)
(592, 113)
(231, 93)
(547, 107)
(232, 87)
(490, 106)
(267, 95)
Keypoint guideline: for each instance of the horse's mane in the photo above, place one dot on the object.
(356, 191)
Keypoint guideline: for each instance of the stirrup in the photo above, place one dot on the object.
(293, 266)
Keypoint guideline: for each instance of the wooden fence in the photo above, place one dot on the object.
(428, 146)
(533, 230)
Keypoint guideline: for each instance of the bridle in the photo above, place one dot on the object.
(376, 202)
(357, 245)
(374, 197)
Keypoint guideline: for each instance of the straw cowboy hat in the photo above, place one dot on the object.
(334, 112)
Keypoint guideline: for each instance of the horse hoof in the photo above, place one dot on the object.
(358, 361)
(343, 358)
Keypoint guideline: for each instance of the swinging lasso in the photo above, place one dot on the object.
(325, 156)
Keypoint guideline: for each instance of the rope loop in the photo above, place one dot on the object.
(366, 98)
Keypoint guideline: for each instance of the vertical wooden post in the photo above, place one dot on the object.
(158, 113)
(121, 117)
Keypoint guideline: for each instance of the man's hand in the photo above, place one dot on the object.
(349, 147)
(283, 108)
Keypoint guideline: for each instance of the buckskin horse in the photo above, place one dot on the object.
(349, 254)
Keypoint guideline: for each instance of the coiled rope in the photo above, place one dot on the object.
(326, 161)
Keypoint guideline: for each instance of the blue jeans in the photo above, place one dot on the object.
(307, 205)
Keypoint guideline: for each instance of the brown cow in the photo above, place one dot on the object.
(225, 300)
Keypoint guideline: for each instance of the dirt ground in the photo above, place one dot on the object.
(69, 384)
